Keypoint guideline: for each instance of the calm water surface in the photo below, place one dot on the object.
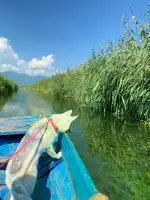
(115, 152)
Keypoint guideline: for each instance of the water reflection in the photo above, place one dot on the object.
(23, 104)
(125, 150)
(115, 152)
(5, 98)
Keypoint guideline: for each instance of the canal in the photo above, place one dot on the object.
(115, 152)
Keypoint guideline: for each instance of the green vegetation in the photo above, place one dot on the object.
(116, 80)
(119, 159)
(124, 151)
(7, 86)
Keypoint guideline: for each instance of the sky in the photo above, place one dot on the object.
(42, 37)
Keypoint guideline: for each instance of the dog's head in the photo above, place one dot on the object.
(64, 120)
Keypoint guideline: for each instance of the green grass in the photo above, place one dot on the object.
(7, 86)
(116, 80)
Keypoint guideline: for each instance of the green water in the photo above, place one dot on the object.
(115, 152)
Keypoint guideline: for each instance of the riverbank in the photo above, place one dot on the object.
(7, 86)
(115, 81)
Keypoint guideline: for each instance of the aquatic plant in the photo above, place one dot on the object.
(124, 151)
(116, 80)
(115, 151)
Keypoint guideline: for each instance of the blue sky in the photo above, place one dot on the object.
(67, 30)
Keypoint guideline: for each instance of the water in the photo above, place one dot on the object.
(115, 152)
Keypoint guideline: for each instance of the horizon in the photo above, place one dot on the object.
(44, 38)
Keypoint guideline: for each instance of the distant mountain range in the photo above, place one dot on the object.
(22, 79)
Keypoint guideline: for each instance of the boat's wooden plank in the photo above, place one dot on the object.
(9, 145)
(70, 179)
(16, 125)
(52, 186)
(49, 186)
(55, 185)
(83, 185)
(11, 126)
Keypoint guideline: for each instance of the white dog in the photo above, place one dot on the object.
(21, 171)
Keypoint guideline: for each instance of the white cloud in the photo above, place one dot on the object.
(44, 62)
(10, 61)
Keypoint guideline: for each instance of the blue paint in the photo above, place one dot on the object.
(17, 125)
(66, 178)
(82, 182)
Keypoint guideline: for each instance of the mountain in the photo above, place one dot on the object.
(22, 79)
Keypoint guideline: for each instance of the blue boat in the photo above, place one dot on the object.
(66, 178)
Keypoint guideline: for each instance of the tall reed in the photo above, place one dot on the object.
(116, 80)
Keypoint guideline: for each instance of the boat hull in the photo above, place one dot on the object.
(66, 178)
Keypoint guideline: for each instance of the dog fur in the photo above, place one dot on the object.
(21, 171)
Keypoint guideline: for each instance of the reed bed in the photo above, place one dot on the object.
(115, 80)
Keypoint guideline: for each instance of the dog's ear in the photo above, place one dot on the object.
(72, 118)
(68, 113)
